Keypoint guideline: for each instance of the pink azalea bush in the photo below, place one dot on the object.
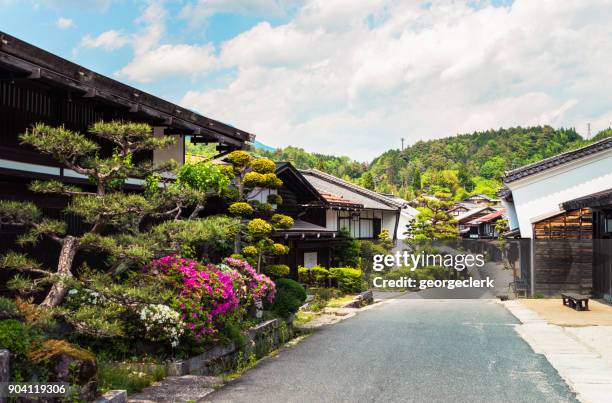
(210, 295)
(259, 285)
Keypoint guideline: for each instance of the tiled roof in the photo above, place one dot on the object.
(488, 218)
(560, 159)
(472, 212)
(599, 199)
(326, 183)
(334, 199)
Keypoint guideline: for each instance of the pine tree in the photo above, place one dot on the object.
(113, 218)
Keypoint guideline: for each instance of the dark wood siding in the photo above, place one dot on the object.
(563, 253)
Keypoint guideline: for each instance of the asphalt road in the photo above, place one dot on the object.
(407, 351)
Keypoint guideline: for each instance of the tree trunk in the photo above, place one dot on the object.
(238, 242)
(64, 271)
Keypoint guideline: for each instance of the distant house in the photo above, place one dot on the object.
(462, 207)
(407, 213)
(376, 211)
(562, 204)
(322, 206)
(482, 200)
(464, 219)
(485, 227)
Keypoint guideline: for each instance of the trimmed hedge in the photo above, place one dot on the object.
(349, 279)
(290, 295)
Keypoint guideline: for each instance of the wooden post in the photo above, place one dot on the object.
(4, 370)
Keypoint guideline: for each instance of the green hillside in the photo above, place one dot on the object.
(460, 165)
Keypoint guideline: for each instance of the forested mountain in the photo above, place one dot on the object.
(342, 167)
(460, 165)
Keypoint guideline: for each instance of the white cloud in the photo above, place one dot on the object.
(355, 77)
(108, 40)
(64, 23)
(199, 11)
(167, 60)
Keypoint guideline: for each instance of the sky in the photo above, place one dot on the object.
(345, 77)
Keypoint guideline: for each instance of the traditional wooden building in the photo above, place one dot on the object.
(560, 204)
(325, 210)
(485, 227)
(463, 220)
(38, 86)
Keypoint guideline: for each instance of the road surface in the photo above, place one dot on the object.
(407, 350)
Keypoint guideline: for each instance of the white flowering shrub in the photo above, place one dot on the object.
(162, 323)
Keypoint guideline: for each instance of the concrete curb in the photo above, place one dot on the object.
(583, 369)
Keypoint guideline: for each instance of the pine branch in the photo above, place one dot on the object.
(57, 187)
(22, 263)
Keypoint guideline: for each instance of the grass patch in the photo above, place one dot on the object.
(301, 318)
(112, 376)
(243, 366)
(340, 301)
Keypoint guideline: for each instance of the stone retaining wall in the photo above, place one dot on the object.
(259, 341)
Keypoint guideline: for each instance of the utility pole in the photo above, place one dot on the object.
(402, 144)
(589, 130)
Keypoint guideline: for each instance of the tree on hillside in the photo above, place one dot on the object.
(113, 219)
(250, 177)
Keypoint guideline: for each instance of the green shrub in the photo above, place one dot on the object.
(16, 336)
(349, 279)
(277, 270)
(290, 295)
(8, 308)
(19, 338)
(304, 275)
(314, 276)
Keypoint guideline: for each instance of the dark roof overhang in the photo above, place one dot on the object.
(560, 159)
(26, 61)
(595, 200)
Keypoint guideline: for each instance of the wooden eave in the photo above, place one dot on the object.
(26, 61)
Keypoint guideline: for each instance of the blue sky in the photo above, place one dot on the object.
(345, 76)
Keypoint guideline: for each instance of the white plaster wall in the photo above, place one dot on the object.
(331, 220)
(388, 222)
(513, 222)
(539, 195)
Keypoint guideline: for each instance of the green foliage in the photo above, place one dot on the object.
(263, 165)
(433, 222)
(345, 252)
(8, 308)
(315, 276)
(17, 336)
(114, 376)
(18, 212)
(282, 221)
(59, 142)
(259, 228)
(342, 167)
(203, 176)
(277, 270)
(290, 295)
(349, 279)
(240, 209)
(493, 168)
(275, 199)
(239, 159)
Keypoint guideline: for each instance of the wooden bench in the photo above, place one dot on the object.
(576, 301)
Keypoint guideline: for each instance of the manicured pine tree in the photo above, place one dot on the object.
(250, 177)
(113, 218)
